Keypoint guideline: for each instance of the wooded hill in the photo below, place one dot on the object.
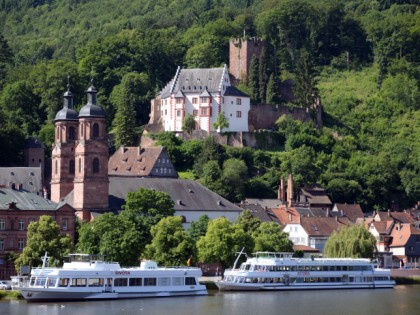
(360, 57)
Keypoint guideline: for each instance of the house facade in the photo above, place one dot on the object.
(18, 208)
(203, 94)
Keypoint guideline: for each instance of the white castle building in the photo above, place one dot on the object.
(202, 93)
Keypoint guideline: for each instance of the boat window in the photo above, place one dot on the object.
(318, 268)
(332, 268)
(120, 282)
(149, 282)
(135, 282)
(51, 282)
(324, 268)
(32, 282)
(164, 281)
(177, 281)
(293, 268)
(338, 268)
(64, 282)
(96, 282)
(78, 282)
(313, 268)
(300, 268)
(247, 267)
(306, 268)
(344, 268)
(191, 281)
(40, 281)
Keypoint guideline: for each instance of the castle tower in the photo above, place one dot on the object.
(241, 51)
(91, 156)
(63, 163)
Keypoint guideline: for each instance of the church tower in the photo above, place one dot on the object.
(63, 162)
(91, 157)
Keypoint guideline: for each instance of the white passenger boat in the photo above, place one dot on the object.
(87, 278)
(279, 271)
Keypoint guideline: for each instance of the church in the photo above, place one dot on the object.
(88, 179)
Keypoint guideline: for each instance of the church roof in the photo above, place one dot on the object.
(91, 109)
(29, 177)
(24, 200)
(188, 195)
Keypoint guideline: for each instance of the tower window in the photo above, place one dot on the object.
(71, 133)
(71, 167)
(80, 165)
(95, 130)
(95, 165)
(56, 167)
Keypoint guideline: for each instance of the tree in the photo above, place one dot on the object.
(272, 93)
(147, 207)
(221, 242)
(254, 80)
(189, 124)
(247, 222)
(270, 237)
(234, 177)
(44, 236)
(221, 122)
(113, 236)
(6, 56)
(171, 245)
(305, 81)
(355, 242)
(198, 228)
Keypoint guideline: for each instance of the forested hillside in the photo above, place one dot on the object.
(361, 57)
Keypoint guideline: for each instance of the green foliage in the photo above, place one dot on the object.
(171, 244)
(221, 122)
(247, 222)
(198, 228)
(221, 242)
(115, 237)
(44, 236)
(189, 124)
(355, 242)
(147, 207)
(270, 237)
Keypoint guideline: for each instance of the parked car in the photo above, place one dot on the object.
(4, 285)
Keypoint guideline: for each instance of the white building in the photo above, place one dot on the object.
(202, 93)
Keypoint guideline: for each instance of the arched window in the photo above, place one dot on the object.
(80, 165)
(71, 167)
(95, 130)
(95, 165)
(56, 166)
(72, 135)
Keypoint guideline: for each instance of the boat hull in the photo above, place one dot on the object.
(227, 286)
(50, 295)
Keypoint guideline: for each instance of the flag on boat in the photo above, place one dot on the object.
(189, 262)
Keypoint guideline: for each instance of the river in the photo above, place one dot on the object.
(403, 299)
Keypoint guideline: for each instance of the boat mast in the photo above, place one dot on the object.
(237, 258)
(44, 260)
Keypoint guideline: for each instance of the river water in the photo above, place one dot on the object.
(403, 299)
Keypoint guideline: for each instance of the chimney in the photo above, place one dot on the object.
(290, 190)
(281, 192)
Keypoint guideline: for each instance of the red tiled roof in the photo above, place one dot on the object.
(286, 215)
(351, 211)
(401, 233)
(136, 162)
(323, 226)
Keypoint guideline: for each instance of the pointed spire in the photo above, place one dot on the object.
(91, 92)
(68, 96)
